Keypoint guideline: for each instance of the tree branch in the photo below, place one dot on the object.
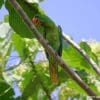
(83, 53)
(48, 48)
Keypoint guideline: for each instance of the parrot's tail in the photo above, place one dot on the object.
(53, 69)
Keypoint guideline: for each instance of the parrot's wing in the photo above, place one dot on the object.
(61, 39)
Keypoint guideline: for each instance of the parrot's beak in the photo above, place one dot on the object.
(36, 21)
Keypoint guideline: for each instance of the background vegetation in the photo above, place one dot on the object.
(25, 77)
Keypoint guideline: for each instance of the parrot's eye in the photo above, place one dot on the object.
(36, 21)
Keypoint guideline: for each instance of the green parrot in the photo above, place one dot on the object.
(15, 20)
(53, 35)
(44, 24)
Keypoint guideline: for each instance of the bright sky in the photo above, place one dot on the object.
(78, 18)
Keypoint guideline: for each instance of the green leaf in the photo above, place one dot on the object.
(6, 18)
(95, 88)
(70, 89)
(83, 75)
(30, 89)
(74, 59)
(19, 45)
(74, 86)
(95, 46)
(6, 92)
(36, 81)
(85, 46)
(17, 22)
(63, 76)
(43, 71)
(31, 86)
(88, 50)
(1, 3)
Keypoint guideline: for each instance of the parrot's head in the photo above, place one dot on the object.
(38, 20)
(43, 20)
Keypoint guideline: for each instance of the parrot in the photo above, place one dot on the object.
(53, 35)
(44, 24)
(15, 20)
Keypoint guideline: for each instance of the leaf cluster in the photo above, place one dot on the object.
(31, 76)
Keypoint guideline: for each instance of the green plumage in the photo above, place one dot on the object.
(53, 35)
(48, 28)
(15, 20)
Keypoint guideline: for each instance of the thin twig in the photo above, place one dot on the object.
(50, 50)
(83, 53)
(5, 92)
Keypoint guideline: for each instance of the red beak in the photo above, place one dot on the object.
(36, 21)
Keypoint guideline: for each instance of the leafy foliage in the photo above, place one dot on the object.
(74, 59)
(1, 3)
(16, 39)
(6, 91)
(88, 50)
(17, 23)
(5, 43)
(32, 75)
